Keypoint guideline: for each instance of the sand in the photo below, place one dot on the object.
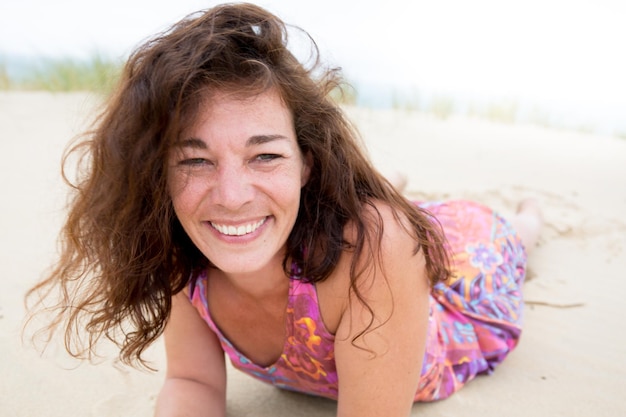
(570, 360)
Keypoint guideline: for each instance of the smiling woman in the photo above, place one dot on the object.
(227, 205)
(235, 185)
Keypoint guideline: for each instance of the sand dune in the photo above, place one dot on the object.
(570, 361)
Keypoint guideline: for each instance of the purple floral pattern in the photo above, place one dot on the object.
(484, 256)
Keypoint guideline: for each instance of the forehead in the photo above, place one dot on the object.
(224, 110)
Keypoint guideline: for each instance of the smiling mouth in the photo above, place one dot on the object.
(238, 230)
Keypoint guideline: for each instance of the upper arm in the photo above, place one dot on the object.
(379, 370)
(193, 351)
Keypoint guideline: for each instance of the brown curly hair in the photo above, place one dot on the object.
(124, 253)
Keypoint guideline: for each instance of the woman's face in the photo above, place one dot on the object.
(235, 181)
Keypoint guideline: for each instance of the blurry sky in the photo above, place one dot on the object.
(571, 52)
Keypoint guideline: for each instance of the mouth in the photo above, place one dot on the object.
(241, 230)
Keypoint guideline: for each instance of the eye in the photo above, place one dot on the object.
(267, 157)
(191, 162)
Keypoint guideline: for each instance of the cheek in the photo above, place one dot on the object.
(283, 190)
(290, 193)
(184, 197)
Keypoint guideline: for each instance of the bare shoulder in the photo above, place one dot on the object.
(394, 251)
(390, 232)
(388, 266)
(390, 244)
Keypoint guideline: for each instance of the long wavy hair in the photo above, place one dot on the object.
(124, 254)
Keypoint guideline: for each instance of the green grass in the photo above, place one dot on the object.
(407, 100)
(345, 94)
(96, 74)
(99, 74)
(501, 111)
(442, 106)
(5, 81)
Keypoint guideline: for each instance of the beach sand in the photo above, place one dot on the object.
(570, 361)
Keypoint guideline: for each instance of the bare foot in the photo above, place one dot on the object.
(528, 222)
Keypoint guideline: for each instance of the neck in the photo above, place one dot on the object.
(263, 284)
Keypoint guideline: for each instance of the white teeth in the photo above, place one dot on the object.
(238, 231)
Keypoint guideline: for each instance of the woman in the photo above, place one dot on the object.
(227, 204)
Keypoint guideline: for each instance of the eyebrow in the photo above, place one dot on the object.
(194, 143)
(261, 139)
(197, 143)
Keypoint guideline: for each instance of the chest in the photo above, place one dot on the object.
(257, 328)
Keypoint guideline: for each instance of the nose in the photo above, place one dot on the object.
(233, 187)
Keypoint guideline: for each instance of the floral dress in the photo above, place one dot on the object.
(474, 318)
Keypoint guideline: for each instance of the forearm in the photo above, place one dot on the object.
(186, 398)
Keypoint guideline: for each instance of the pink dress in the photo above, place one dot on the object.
(474, 322)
